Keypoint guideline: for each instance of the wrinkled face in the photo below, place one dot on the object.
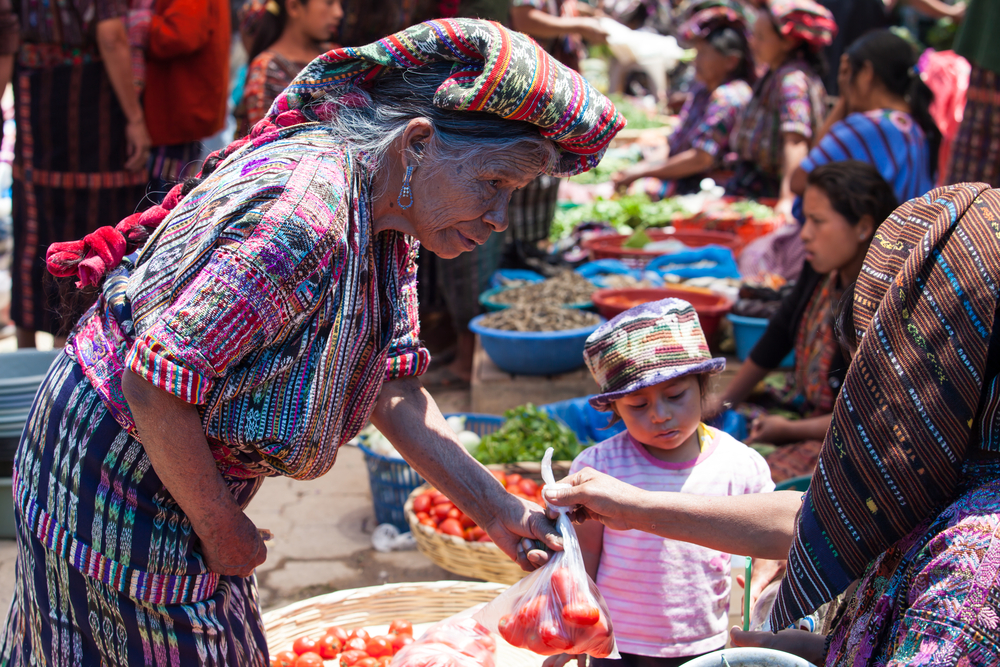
(457, 204)
(319, 19)
(831, 241)
(665, 416)
(710, 66)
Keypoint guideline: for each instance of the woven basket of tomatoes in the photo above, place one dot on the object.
(454, 542)
(329, 630)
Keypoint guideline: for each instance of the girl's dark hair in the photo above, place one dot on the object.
(855, 189)
(895, 64)
(269, 29)
(843, 330)
(730, 41)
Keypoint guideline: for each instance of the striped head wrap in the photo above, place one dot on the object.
(494, 70)
(804, 19)
(646, 345)
(915, 398)
(700, 17)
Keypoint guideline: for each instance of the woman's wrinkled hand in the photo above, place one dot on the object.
(807, 645)
(522, 531)
(597, 497)
(622, 179)
(233, 548)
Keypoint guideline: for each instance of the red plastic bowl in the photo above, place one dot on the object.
(710, 307)
(610, 246)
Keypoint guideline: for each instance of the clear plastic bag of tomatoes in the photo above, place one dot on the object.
(459, 641)
(557, 608)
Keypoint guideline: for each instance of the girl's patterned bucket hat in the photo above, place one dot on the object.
(647, 345)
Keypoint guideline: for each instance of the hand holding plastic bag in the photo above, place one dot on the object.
(454, 642)
(557, 608)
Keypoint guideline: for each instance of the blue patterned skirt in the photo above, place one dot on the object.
(108, 569)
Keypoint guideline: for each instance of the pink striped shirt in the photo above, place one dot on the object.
(668, 598)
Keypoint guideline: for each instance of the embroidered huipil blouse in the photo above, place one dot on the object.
(266, 300)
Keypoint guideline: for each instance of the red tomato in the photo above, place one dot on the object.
(421, 516)
(309, 660)
(400, 627)
(552, 636)
(384, 662)
(563, 586)
(286, 658)
(422, 503)
(436, 496)
(511, 630)
(529, 613)
(399, 642)
(430, 523)
(379, 647)
(485, 538)
(466, 521)
(581, 613)
(350, 658)
(440, 511)
(455, 513)
(513, 480)
(274, 662)
(356, 644)
(361, 633)
(451, 527)
(329, 646)
(366, 662)
(338, 632)
(304, 645)
(528, 487)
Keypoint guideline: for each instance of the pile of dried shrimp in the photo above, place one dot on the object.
(568, 287)
(539, 317)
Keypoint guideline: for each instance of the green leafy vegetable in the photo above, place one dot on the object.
(753, 209)
(625, 213)
(638, 240)
(525, 436)
(637, 117)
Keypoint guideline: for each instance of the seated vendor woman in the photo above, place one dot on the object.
(724, 72)
(844, 204)
(773, 134)
(883, 118)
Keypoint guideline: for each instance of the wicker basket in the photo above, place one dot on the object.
(425, 602)
(477, 560)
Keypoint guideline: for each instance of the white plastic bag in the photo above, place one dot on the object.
(557, 608)
(455, 642)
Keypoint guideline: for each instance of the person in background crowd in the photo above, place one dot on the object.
(975, 155)
(187, 78)
(282, 37)
(79, 121)
(788, 104)
(724, 72)
(882, 117)
(366, 21)
(844, 204)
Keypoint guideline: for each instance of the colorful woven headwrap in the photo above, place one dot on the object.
(703, 16)
(804, 19)
(647, 345)
(909, 408)
(494, 70)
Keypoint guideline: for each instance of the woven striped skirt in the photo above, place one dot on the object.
(975, 153)
(107, 570)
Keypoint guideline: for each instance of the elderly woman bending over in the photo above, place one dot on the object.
(270, 313)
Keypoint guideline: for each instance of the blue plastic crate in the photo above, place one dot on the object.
(747, 331)
(392, 480)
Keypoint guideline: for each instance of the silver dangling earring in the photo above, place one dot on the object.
(405, 192)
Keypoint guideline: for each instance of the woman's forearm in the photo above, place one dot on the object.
(539, 24)
(407, 415)
(794, 151)
(813, 428)
(746, 379)
(686, 163)
(760, 525)
(112, 42)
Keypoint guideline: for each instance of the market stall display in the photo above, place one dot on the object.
(613, 246)
(373, 609)
(536, 341)
(526, 433)
(568, 289)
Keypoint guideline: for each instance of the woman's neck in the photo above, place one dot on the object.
(882, 99)
(296, 46)
(848, 273)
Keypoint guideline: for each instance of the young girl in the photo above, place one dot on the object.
(669, 600)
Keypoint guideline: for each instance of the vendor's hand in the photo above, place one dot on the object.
(232, 548)
(807, 645)
(771, 429)
(562, 659)
(764, 572)
(622, 179)
(590, 30)
(599, 497)
(515, 525)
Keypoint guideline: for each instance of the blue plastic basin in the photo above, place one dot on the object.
(534, 353)
(747, 331)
